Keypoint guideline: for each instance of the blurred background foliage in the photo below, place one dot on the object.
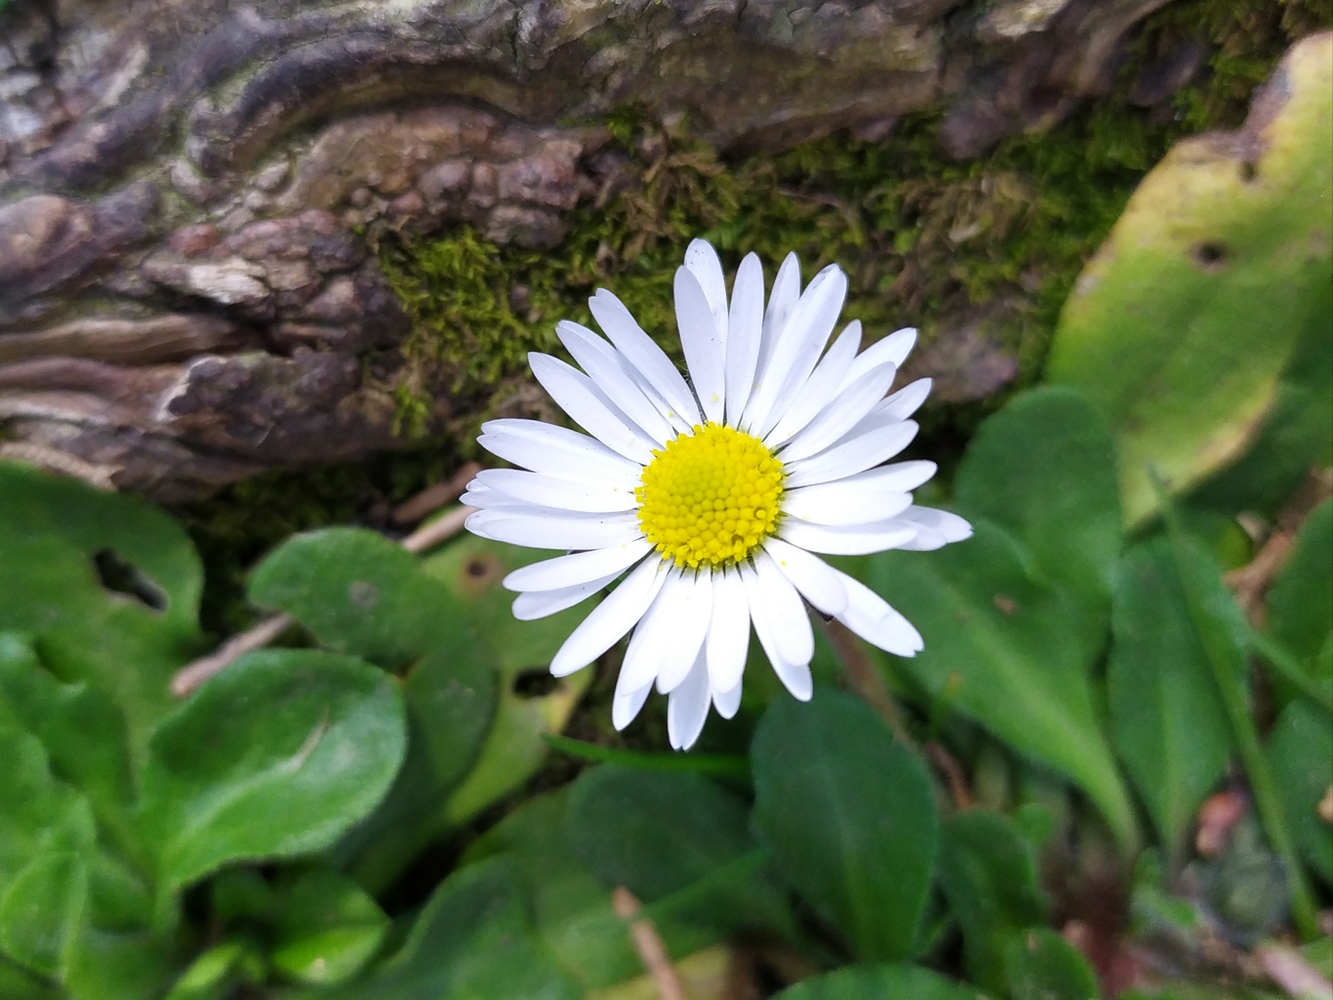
(1110, 772)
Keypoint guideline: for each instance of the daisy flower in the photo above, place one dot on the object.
(713, 494)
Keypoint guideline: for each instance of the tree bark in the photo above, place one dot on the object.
(190, 189)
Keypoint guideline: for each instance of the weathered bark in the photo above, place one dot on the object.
(188, 189)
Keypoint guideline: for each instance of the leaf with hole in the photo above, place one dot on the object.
(275, 757)
(100, 581)
(849, 815)
(1181, 326)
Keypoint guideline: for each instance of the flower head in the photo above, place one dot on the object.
(713, 495)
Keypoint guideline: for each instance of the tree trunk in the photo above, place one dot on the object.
(190, 190)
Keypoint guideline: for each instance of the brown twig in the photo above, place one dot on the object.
(1289, 969)
(61, 462)
(648, 943)
(863, 678)
(432, 498)
(1251, 581)
(191, 677)
(947, 764)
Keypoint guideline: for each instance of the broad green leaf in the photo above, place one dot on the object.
(719, 764)
(1300, 751)
(17, 983)
(471, 941)
(1007, 651)
(989, 876)
(1043, 468)
(41, 815)
(655, 832)
(472, 568)
(359, 593)
(1167, 719)
(1300, 605)
(119, 966)
(450, 696)
(1296, 435)
(41, 911)
(326, 928)
(1182, 324)
(125, 642)
(880, 982)
(275, 757)
(850, 817)
(1044, 966)
(81, 730)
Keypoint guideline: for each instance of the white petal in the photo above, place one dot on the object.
(777, 611)
(745, 327)
(664, 634)
(702, 261)
(870, 616)
(893, 350)
(798, 348)
(540, 604)
(841, 415)
(705, 353)
(627, 703)
(546, 529)
(795, 678)
(781, 301)
(848, 539)
(728, 703)
(611, 619)
(818, 391)
(934, 528)
(818, 582)
(612, 374)
(646, 357)
(852, 455)
(687, 709)
(728, 641)
(686, 644)
(571, 570)
(576, 394)
(843, 502)
(907, 400)
(556, 451)
(549, 491)
(900, 477)
(485, 498)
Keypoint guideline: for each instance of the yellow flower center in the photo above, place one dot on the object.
(710, 497)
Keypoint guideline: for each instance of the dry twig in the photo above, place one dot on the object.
(432, 498)
(648, 943)
(191, 677)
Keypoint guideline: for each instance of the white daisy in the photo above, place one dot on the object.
(713, 497)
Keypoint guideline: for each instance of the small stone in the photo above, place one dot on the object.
(271, 177)
(360, 198)
(484, 185)
(256, 202)
(408, 204)
(447, 178)
(196, 239)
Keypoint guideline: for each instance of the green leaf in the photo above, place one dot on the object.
(989, 877)
(274, 757)
(119, 966)
(41, 912)
(1008, 651)
(1300, 605)
(472, 940)
(719, 764)
(880, 982)
(1043, 468)
(1300, 750)
(850, 816)
(214, 974)
(326, 928)
(81, 730)
(1182, 324)
(1167, 719)
(359, 593)
(1044, 966)
(17, 983)
(655, 832)
(50, 534)
(41, 816)
(472, 569)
